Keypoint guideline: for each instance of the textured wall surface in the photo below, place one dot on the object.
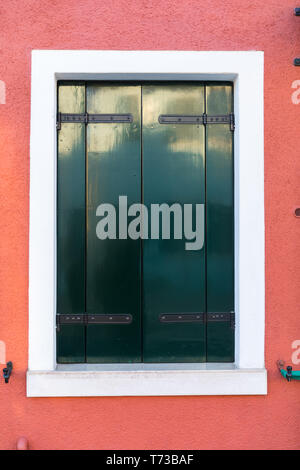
(270, 422)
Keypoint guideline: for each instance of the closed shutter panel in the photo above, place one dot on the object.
(71, 224)
(179, 301)
(113, 265)
(173, 278)
(220, 225)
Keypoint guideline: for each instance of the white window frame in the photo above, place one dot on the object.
(247, 376)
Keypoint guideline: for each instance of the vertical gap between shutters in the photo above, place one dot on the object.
(141, 240)
(205, 222)
(85, 240)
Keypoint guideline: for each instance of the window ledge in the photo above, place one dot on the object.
(146, 380)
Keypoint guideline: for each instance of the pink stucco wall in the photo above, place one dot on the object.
(159, 422)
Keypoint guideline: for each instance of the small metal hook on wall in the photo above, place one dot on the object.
(7, 371)
(297, 212)
(288, 374)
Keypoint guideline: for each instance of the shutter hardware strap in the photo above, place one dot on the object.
(87, 118)
(204, 119)
(92, 319)
(198, 317)
(100, 319)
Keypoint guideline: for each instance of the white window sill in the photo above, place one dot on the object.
(146, 380)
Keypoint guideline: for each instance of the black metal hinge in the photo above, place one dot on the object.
(204, 119)
(198, 119)
(198, 317)
(87, 118)
(100, 319)
(95, 319)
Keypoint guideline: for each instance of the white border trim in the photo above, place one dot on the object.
(249, 375)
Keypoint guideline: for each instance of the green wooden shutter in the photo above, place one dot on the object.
(71, 224)
(113, 266)
(157, 280)
(173, 172)
(220, 224)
